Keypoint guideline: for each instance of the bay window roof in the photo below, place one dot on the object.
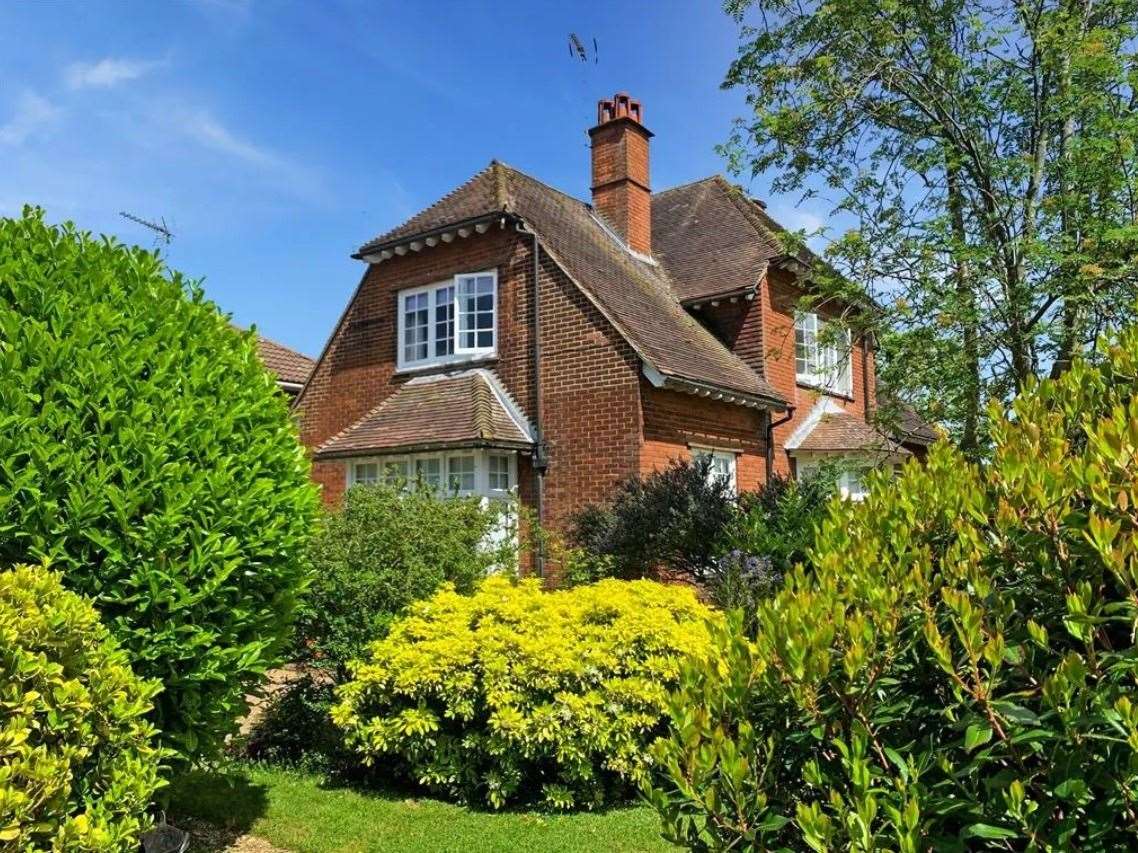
(465, 409)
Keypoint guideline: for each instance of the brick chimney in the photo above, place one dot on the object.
(620, 170)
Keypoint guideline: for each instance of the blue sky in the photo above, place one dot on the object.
(275, 137)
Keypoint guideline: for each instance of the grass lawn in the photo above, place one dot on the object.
(298, 811)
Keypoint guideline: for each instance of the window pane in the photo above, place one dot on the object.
(366, 473)
(499, 473)
(429, 472)
(416, 317)
(395, 472)
(475, 306)
(444, 321)
(460, 474)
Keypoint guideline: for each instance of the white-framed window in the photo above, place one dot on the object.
(721, 465)
(851, 484)
(363, 473)
(429, 471)
(498, 473)
(822, 359)
(487, 473)
(460, 475)
(448, 321)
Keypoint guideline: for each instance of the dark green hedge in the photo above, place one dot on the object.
(147, 454)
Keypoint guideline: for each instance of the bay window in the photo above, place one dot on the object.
(822, 358)
(491, 474)
(448, 321)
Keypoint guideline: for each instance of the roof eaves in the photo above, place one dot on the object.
(698, 388)
(423, 447)
(369, 250)
(747, 292)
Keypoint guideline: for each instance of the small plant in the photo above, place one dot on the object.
(78, 760)
(514, 694)
(148, 456)
(383, 548)
(672, 519)
(739, 581)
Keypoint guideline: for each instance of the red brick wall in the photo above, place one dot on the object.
(778, 296)
(674, 421)
(620, 181)
(590, 376)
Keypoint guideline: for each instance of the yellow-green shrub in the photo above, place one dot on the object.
(78, 765)
(519, 694)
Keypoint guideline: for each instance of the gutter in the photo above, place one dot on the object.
(540, 459)
(771, 424)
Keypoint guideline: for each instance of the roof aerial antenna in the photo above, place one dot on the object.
(578, 52)
(576, 48)
(160, 229)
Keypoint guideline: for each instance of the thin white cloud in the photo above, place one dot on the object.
(106, 72)
(207, 130)
(32, 113)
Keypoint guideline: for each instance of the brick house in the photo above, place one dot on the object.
(511, 337)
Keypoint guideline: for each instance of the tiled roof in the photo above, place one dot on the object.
(468, 409)
(289, 365)
(908, 426)
(710, 238)
(637, 295)
(830, 429)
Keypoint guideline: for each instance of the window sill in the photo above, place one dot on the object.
(821, 389)
(446, 366)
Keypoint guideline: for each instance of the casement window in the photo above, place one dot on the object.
(449, 321)
(851, 484)
(498, 473)
(491, 474)
(460, 475)
(721, 465)
(822, 359)
(364, 473)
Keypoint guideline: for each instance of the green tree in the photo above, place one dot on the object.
(147, 455)
(985, 155)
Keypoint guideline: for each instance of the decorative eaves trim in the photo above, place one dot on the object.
(463, 228)
(711, 392)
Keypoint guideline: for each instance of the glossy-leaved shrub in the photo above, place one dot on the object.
(146, 454)
(79, 761)
(957, 669)
(384, 547)
(518, 695)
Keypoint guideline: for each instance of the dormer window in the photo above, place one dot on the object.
(427, 321)
(822, 358)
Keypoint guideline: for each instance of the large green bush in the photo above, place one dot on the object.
(957, 670)
(78, 761)
(517, 694)
(145, 453)
(384, 547)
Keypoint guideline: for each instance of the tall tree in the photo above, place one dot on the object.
(984, 155)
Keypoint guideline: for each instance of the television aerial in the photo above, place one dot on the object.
(161, 230)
